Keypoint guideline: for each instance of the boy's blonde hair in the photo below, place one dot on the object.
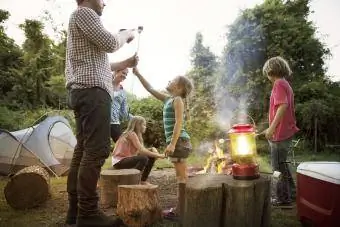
(277, 67)
(132, 127)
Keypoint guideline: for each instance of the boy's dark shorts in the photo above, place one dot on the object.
(182, 150)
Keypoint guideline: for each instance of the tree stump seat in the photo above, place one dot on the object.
(219, 200)
(139, 205)
(109, 181)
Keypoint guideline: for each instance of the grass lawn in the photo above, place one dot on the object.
(52, 213)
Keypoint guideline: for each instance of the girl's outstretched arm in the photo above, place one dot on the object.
(147, 86)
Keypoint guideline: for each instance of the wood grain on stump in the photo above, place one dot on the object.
(109, 181)
(203, 201)
(220, 200)
(28, 188)
(139, 205)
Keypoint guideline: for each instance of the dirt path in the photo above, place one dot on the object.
(166, 181)
(53, 212)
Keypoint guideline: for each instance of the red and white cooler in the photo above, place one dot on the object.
(318, 194)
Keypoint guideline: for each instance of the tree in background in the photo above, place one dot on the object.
(273, 28)
(38, 61)
(318, 111)
(57, 96)
(32, 76)
(202, 107)
(152, 110)
(10, 61)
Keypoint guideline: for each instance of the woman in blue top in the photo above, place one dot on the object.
(119, 106)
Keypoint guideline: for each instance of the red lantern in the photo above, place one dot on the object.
(243, 152)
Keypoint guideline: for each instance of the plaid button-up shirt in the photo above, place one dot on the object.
(88, 42)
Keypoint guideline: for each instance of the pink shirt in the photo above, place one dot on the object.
(282, 93)
(126, 146)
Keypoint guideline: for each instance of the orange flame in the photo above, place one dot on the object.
(217, 161)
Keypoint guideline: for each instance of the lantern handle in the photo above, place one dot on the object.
(252, 119)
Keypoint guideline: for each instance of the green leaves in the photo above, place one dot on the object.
(202, 103)
(152, 110)
(278, 27)
(25, 73)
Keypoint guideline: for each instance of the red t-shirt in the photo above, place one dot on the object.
(282, 93)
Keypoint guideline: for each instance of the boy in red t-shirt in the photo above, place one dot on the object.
(282, 127)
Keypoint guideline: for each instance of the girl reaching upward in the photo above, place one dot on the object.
(177, 138)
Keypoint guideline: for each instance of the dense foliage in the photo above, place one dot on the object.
(273, 28)
(227, 89)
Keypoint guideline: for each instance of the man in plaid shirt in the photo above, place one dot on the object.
(89, 81)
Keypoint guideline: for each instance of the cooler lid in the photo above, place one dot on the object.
(325, 171)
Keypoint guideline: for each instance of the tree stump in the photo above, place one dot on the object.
(203, 201)
(220, 200)
(109, 181)
(139, 205)
(28, 188)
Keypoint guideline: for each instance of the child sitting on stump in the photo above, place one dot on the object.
(130, 153)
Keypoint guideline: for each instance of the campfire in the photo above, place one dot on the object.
(235, 156)
(219, 160)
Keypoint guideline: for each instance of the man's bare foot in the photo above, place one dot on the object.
(145, 183)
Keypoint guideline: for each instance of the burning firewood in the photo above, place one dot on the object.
(218, 160)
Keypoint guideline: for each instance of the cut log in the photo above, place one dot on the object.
(220, 200)
(138, 205)
(203, 201)
(28, 188)
(109, 181)
(247, 202)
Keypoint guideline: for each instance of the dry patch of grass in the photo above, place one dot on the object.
(286, 218)
(51, 212)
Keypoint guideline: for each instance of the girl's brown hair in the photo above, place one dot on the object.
(133, 124)
(187, 88)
